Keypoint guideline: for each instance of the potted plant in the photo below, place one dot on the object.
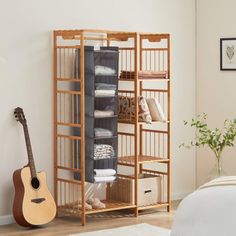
(215, 139)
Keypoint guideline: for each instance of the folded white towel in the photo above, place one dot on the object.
(104, 172)
(104, 93)
(104, 70)
(104, 179)
(103, 113)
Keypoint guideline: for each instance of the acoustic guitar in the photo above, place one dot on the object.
(33, 203)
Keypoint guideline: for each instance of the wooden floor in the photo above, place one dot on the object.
(68, 225)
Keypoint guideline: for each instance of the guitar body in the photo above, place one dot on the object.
(33, 203)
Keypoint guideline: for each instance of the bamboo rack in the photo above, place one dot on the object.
(139, 144)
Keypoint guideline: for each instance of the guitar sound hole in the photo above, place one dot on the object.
(35, 183)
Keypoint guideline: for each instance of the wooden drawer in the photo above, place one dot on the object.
(149, 190)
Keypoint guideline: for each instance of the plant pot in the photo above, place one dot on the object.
(217, 170)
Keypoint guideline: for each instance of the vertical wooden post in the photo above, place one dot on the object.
(55, 115)
(169, 163)
(140, 93)
(136, 123)
(108, 185)
(82, 120)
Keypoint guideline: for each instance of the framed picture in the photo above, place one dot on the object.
(228, 53)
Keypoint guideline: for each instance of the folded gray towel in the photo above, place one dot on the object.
(105, 86)
(100, 132)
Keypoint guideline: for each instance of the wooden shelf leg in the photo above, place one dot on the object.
(108, 188)
(83, 219)
(136, 211)
(169, 208)
(168, 189)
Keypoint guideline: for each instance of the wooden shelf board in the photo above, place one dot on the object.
(68, 80)
(126, 121)
(143, 80)
(141, 159)
(69, 124)
(73, 209)
(106, 117)
(105, 137)
(157, 205)
(111, 206)
(150, 79)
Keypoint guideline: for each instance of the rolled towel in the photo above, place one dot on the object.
(104, 172)
(104, 179)
(155, 109)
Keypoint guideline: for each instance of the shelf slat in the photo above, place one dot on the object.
(69, 124)
(105, 137)
(143, 80)
(69, 80)
(125, 121)
(130, 160)
(74, 209)
(165, 204)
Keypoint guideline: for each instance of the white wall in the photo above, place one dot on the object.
(215, 89)
(26, 72)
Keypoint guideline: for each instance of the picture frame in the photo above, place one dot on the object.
(227, 54)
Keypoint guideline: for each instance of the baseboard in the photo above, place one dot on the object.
(6, 219)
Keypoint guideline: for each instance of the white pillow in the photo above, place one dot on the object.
(155, 109)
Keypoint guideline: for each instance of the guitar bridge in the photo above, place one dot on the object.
(38, 200)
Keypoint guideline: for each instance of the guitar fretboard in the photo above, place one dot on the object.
(29, 151)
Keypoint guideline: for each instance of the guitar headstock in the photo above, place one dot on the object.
(19, 115)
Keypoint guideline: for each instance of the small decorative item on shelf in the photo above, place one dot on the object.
(215, 139)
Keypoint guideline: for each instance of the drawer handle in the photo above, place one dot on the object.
(148, 191)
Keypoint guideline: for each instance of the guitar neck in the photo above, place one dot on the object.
(29, 151)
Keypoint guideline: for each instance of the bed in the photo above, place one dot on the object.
(209, 211)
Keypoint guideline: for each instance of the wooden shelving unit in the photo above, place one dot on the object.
(139, 144)
(147, 143)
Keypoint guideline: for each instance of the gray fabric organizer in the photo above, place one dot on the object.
(109, 57)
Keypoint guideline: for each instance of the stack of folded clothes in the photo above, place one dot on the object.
(125, 74)
(104, 89)
(104, 175)
(101, 132)
(103, 151)
(143, 74)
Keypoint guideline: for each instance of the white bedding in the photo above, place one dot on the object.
(207, 212)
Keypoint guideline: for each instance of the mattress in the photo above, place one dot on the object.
(207, 212)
